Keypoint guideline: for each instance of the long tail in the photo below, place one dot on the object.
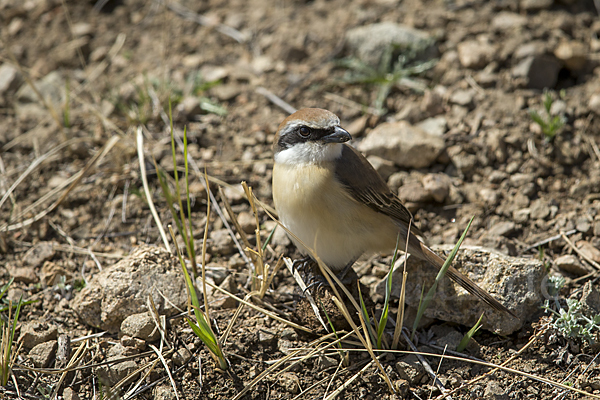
(427, 254)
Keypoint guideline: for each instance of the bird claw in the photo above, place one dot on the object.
(315, 281)
(302, 264)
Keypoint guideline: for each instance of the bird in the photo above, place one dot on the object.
(328, 195)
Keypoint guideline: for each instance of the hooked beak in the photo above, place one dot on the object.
(339, 135)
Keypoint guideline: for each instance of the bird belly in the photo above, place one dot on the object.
(323, 216)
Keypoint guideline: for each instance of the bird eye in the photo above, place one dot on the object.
(304, 131)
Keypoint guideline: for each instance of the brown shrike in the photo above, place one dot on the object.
(330, 197)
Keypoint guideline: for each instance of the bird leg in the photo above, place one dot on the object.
(347, 268)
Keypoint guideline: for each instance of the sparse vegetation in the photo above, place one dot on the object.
(390, 72)
(548, 123)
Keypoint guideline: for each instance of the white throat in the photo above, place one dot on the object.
(309, 152)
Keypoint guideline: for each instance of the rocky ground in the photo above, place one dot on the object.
(466, 108)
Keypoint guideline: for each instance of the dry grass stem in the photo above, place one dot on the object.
(167, 369)
(262, 310)
(273, 367)
(97, 157)
(346, 384)
(427, 367)
(140, 149)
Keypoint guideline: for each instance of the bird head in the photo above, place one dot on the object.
(310, 135)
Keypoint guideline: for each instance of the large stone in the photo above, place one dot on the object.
(514, 282)
(369, 43)
(403, 144)
(42, 354)
(540, 71)
(122, 289)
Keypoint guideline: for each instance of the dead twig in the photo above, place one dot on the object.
(546, 241)
(204, 21)
(278, 101)
(581, 254)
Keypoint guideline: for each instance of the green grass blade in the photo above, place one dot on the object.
(388, 291)
(465, 340)
(365, 313)
(431, 293)
(6, 286)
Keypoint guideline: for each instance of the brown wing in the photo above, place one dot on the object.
(369, 188)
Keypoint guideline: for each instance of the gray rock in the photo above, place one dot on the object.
(590, 299)
(280, 237)
(34, 333)
(588, 250)
(489, 196)
(111, 374)
(573, 54)
(436, 126)
(70, 394)
(531, 5)
(437, 185)
(181, 356)
(385, 168)
(594, 103)
(583, 224)
(404, 144)
(226, 92)
(506, 20)
(288, 334)
(189, 106)
(22, 274)
(414, 192)
(247, 222)
(265, 336)
(494, 391)
(521, 215)
(290, 382)
(164, 392)
(221, 242)
(452, 339)
(410, 369)
(539, 209)
(540, 71)
(519, 180)
(42, 354)
(463, 97)
(534, 48)
(217, 272)
(38, 254)
(501, 229)
(515, 282)
(368, 43)
(9, 78)
(222, 300)
(140, 326)
(123, 289)
(571, 264)
(475, 54)
(497, 176)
